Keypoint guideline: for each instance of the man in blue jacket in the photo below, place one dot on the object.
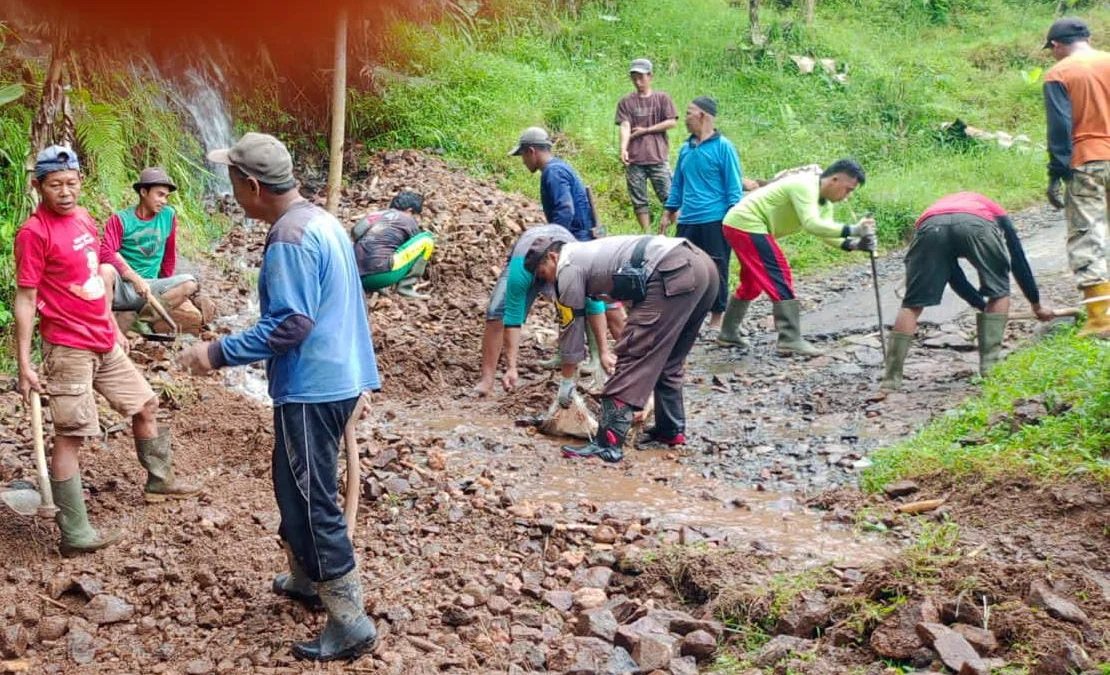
(315, 338)
(562, 192)
(707, 183)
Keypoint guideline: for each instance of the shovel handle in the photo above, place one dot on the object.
(47, 507)
(162, 312)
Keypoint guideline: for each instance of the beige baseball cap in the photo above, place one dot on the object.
(260, 156)
(532, 137)
(640, 66)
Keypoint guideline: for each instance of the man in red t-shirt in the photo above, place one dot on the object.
(61, 274)
(970, 226)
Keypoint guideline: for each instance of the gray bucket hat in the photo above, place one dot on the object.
(152, 176)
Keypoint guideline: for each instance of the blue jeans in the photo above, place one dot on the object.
(305, 474)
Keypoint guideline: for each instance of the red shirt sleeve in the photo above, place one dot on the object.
(169, 256)
(30, 257)
(111, 242)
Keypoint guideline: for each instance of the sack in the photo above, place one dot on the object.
(574, 421)
(630, 281)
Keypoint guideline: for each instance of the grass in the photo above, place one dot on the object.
(469, 88)
(977, 438)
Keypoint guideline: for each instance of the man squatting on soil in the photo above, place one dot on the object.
(390, 247)
(141, 243)
(970, 226)
(1077, 104)
(675, 288)
(315, 337)
(64, 275)
(511, 302)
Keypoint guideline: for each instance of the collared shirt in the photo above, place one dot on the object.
(707, 180)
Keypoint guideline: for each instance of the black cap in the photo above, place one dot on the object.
(1067, 30)
(707, 104)
(536, 252)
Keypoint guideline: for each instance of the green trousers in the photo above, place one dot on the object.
(420, 246)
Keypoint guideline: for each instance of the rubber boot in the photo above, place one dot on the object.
(156, 456)
(612, 428)
(554, 363)
(991, 328)
(295, 583)
(788, 322)
(730, 324)
(593, 364)
(348, 633)
(896, 349)
(78, 536)
(670, 421)
(1098, 312)
(406, 286)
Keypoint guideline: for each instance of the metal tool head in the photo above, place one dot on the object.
(22, 497)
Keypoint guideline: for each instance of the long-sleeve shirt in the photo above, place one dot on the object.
(707, 180)
(1077, 107)
(313, 331)
(564, 199)
(149, 247)
(983, 207)
(382, 233)
(520, 280)
(791, 204)
(585, 273)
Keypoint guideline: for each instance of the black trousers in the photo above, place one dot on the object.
(709, 238)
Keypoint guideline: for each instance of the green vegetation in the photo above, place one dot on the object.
(469, 86)
(984, 437)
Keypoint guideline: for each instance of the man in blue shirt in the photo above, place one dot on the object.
(562, 192)
(315, 338)
(707, 183)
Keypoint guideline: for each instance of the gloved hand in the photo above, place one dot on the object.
(868, 242)
(566, 391)
(863, 228)
(1055, 192)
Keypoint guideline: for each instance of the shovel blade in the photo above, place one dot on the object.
(25, 502)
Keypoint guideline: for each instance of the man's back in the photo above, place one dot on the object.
(1086, 77)
(564, 200)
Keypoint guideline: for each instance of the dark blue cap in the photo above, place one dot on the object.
(56, 158)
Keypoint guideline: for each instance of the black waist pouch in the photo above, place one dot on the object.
(630, 281)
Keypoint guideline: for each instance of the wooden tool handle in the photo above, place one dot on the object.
(40, 454)
(162, 312)
(350, 501)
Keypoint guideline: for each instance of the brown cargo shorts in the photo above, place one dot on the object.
(72, 375)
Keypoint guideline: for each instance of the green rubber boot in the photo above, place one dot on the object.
(896, 349)
(554, 363)
(406, 287)
(78, 536)
(593, 364)
(295, 583)
(348, 632)
(156, 456)
(729, 335)
(991, 329)
(788, 322)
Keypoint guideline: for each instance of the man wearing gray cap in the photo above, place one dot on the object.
(315, 338)
(562, 193)
(1077, 104)
(141, 242)
(644, 117)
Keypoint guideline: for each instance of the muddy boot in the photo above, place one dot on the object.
(729, 336)
(1097, 302)
(593, 364)
(991, 328)
(78, 536)
(295, 584)
(612, 428)
(406, 286)
(554, 363)
(789, 324)
(896, 349)
(348, 633)
(156, 456)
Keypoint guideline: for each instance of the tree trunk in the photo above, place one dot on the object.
(753, 23)
(809, 10)
(53, 121)
(338, 112)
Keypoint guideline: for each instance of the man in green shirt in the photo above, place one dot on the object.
(141, 242)
(802, 201)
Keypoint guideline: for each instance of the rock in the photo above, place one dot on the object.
(630, 560)
(620, 663)
(896, 637)
(588, 598)
(982, 640)
(52, 628)
(654, 651)
(573, 558)
(528, 617)
(699, 644)
(477, 591)
(809, 614)
(146, 625)
(780, 647)
(953, 649)
(520, 632)
(456, 616)
(900, 488)
(199, 667)
(683, 666)
(560, 600)
(498, 605)
(1040, 595)
(80, 643)
(593, 577)
(28, 614)
(581, 656)
(13, 641)
(598, 622)
(684, 623)
(105, 609)
(605, 535)
(530, 655)
(629, 636)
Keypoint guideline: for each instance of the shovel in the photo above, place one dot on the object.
(22, 497)
(161, 337)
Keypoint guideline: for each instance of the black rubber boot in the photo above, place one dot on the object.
(612, 429)
(349, 633)
(295, 583)
(670, 420)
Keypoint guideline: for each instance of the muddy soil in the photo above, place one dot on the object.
(482, 550)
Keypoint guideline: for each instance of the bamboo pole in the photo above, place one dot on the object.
(338, 111)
